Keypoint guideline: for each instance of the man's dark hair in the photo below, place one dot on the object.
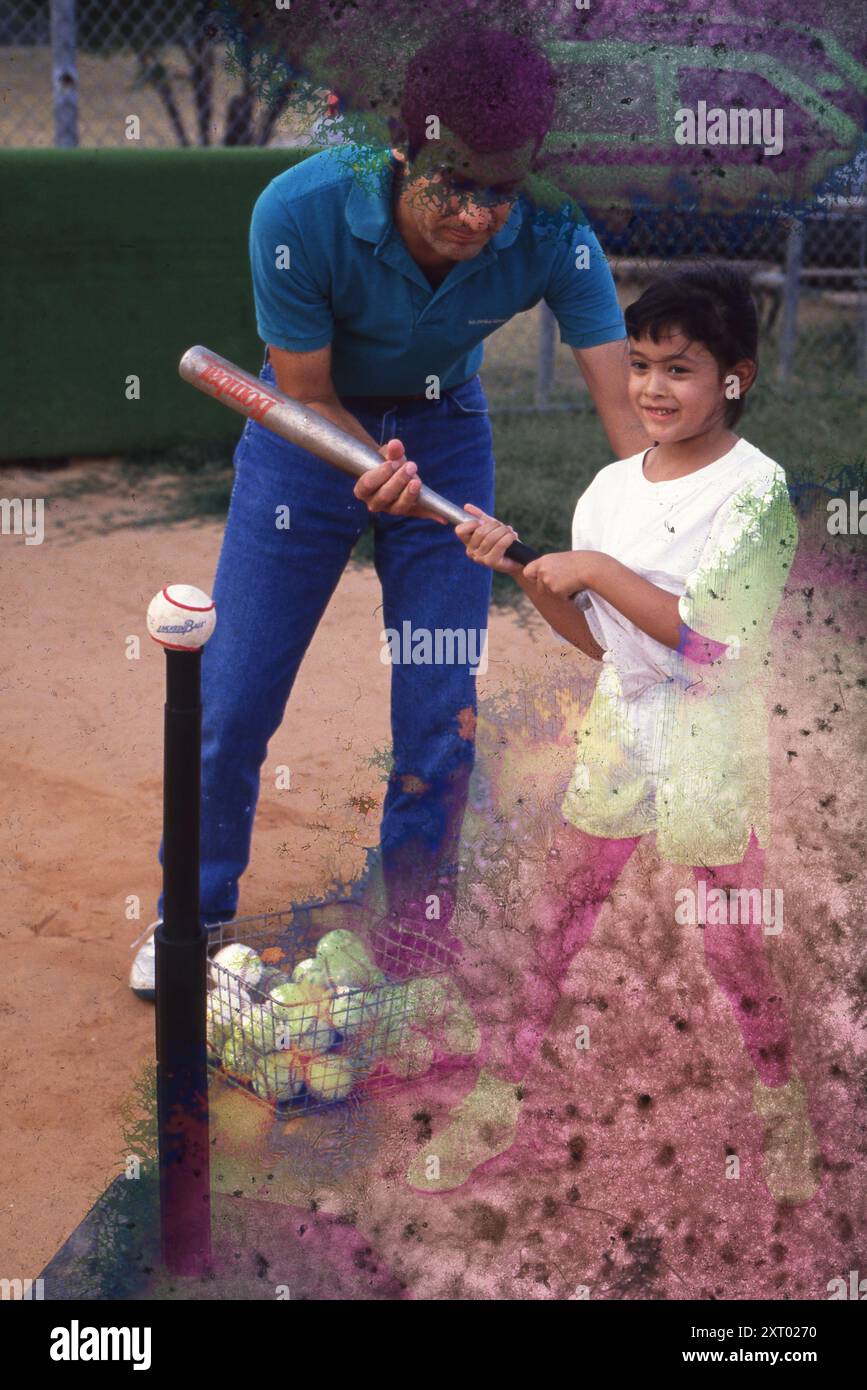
(494, 90)
(713, 306)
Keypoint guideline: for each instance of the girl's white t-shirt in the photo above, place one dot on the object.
(669, 532)
(670, 745)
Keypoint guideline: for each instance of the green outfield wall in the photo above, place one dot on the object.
(112, 262)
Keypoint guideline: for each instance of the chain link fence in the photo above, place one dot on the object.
(155, 73)
(809, 280)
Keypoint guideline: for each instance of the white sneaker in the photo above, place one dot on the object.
(142, 975)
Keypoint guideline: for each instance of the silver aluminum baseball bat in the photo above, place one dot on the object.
(248, 395)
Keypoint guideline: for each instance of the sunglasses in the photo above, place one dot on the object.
(485, 195)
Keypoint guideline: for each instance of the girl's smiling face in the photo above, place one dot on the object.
(677, 387)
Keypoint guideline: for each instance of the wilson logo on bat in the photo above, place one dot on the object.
(257, 402)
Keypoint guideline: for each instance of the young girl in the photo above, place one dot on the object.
(683, 551)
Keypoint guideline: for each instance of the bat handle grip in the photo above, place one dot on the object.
(523, 554)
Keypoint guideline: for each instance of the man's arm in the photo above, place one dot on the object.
(605, 368)
(306, 377)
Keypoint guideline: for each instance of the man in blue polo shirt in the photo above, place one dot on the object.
(377, 274)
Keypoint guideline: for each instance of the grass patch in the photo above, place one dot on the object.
(123, 1244)
(200, 477)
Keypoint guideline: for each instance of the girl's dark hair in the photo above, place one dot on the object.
(493, 89)
(713, 306)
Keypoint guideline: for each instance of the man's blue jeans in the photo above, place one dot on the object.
(271, 589)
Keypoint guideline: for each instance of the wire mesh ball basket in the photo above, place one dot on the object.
(310, 1007)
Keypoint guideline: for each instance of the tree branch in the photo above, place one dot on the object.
(273, 112)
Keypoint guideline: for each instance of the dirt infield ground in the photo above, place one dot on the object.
(617, 1179)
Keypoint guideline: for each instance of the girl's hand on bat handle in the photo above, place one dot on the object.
(393, 488)
(560, 574)
(487, 541)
